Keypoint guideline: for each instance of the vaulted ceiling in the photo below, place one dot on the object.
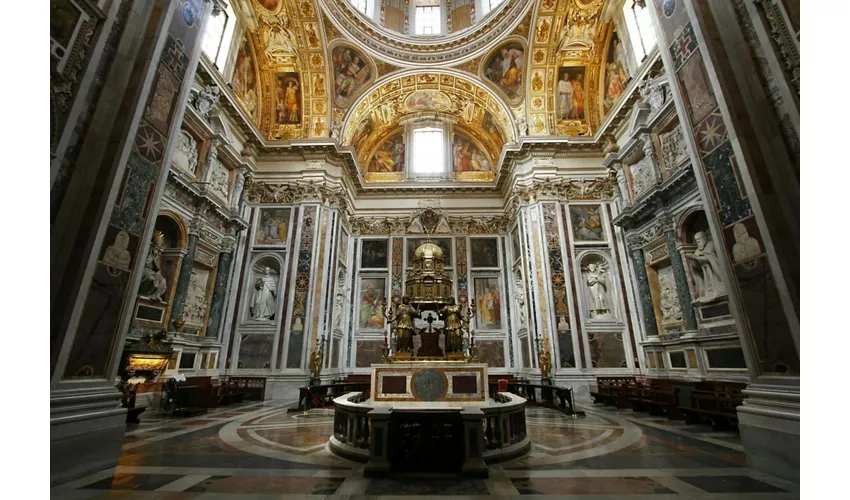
(310, 69)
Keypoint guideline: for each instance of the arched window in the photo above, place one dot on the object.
(218, 35)
(639, 24)
(427, 154)
(427, 17)
(359, 5)
(489, 5)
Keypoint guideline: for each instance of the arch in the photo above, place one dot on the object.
(448, 81)
(171, 225)
(690, 221)
(255, 260)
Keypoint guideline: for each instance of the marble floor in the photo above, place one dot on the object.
(259, 451)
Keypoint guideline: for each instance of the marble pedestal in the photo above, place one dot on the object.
(769, 424)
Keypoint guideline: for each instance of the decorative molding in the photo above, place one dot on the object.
(260, 193)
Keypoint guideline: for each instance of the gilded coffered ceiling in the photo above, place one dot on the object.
(310, 69)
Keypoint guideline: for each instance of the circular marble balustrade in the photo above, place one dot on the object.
(555, 437)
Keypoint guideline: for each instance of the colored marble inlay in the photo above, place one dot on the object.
(683, 46)
(696, 91)
(462, 283)
(556, 262)
(174, 57)
(302, 288)
(429, 384)
(133, 204)
(710, 133)
(730, 199)
(397, 254)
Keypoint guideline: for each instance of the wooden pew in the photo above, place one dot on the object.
(322, 396)
(658, 397)
(254, 388)
(614, 391)
(715, 402)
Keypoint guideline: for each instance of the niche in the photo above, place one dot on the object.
(263, 289)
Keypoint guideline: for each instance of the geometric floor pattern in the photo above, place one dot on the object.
(259, 451)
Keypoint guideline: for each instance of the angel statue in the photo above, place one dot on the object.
(402, 324)
(455, 325)
(596, 275)
(265, 295)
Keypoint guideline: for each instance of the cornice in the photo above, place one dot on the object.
(399, 49)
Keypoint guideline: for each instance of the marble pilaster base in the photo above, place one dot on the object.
(581, 384)
(86, 432)
(284, 387)
(769, 423)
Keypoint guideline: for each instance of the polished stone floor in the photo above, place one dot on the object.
(259, 451)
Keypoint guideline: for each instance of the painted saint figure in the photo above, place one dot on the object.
(263, 305)
(565, 97)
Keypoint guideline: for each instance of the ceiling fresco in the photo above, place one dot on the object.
(292, 87)
(475, 110)
(556, 69)
(564, 67)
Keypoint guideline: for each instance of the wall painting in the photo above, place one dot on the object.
(587, 223)
(374, 254)
(273, 227)
(505, 69)
(469, 160)
(371, 312)
(351, 73)
(488, 304)
(244, 82)
(287, 92)
(484, 252)
(616, 73)
(571, 90)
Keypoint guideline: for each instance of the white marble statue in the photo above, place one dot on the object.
(338, 305)
(596, 275)
(706, 269)
(520, 300)
(117, 255)
(746, 247)
(153, 283)
(265, 293)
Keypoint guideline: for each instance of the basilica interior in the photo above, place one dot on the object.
(424, 248)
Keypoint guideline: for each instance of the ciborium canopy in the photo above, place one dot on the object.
(428, 284)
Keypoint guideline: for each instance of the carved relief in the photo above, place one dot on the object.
(219, 177)
(186, 153)
(195, 310)
(673, 148)
(671, 310)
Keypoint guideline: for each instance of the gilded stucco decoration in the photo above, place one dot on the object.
(478, 114)
(261, 192)
(291, 60)
(565, 59)
(400, 49)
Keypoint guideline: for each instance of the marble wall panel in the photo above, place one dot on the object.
(607, 350)
(368, 353)
(491, 352)
(302, 288)
(255, 351)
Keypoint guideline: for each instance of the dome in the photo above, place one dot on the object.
(429, 250)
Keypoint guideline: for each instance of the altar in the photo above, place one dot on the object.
(429, 409)
(429, 384)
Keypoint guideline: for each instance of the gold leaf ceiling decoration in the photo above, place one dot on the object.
(564, 69)
(476, 111)
(291, 61)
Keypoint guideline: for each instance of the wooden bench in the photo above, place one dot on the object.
(322, 396)
(715, 402)
(254, 388)
(614, 391)
(656, 396)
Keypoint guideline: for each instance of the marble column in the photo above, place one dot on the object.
(735, 141)
(113, 189)
(222, 280)
(182, 287)
(681, 278)
(644, 294)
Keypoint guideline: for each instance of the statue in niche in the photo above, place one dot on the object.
(706, 269)
(520, 299)
(454, 324)
(596, 276)
(338, 305)
(153, 283)
(402, 324)
(265, 293)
